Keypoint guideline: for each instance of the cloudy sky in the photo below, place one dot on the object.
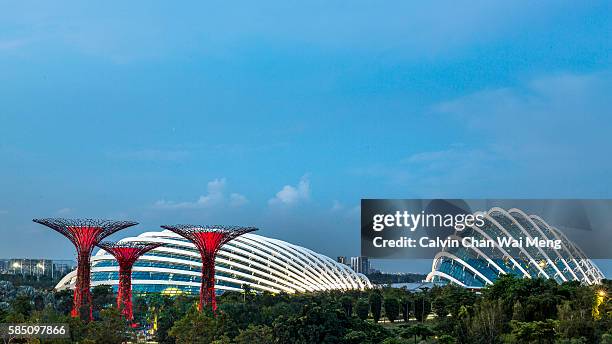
(284, 115)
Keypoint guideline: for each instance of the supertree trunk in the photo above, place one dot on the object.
(207, 295)
(82, 302)
(124, 293)
(208, 240)
(126, 254)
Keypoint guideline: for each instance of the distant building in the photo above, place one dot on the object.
(35, 267)
(342, 260)
(360, 265)
(63, 267)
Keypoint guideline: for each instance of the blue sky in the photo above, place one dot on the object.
(283, 114)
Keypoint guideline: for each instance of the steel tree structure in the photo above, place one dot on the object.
(208, 240)
(126, 254)
(84, 234)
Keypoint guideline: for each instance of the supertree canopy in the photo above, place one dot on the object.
(126, 254)
(208, 239)
(84, 234)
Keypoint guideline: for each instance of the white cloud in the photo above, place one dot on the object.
(237, 200)
(64, 211)
(290, 195)
(341, 210)
(457, 158)
(215, 196)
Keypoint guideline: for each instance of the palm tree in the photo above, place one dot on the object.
(415, 331)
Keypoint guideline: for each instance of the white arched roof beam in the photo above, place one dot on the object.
(479, 253)
(565, 243)
(539, 249)
(537, 228)
(464, 264)
(452, 279)
(501, 249)
(522, 249)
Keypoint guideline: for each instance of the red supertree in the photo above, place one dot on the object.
(208, 240)
(84, 234)
(126, 253)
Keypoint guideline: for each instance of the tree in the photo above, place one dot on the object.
(518, 312)
(140, 308)
(539, 297)
(22, 305)
(375, 333)
(415, 331)
(580, 340)
(446, 339)
(166, 311)
(376, 304)
(462, 325)
(405, 306)
(362, 308)
(222, 340)
(575, 320)
(392, 308)
(535, 331)
(488, 321)
(63, 301)
(449, 299)
(39, 302)
(355, 337)
(314, 324)
(255, 334)
(347, 305)
(7, 291)
(102, 297)
(392, 340)
(194, 327)
(247, 293)
(110, 329)
(606, 338)
(422, 307)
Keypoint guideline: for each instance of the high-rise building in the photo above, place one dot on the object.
(341, 260)
(62, 267)
(360, 264)
(34, 267)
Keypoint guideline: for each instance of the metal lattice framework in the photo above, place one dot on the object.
(208, 239)
(84, 234)
(480, 266)
(126, 254)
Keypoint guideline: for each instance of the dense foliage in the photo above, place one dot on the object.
(511, 311)
(42, 282)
